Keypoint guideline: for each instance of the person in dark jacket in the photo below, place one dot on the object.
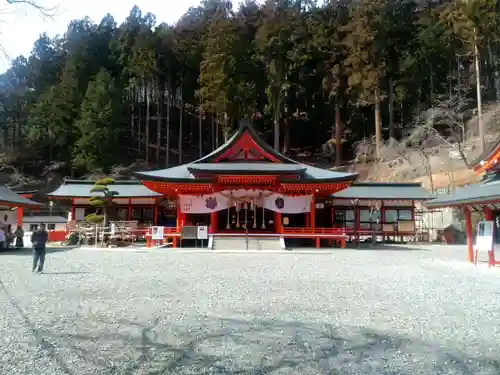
(39, 240)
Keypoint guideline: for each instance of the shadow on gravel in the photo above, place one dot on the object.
(29, 252)
(387, 247)
(66, 273)
(231, 346)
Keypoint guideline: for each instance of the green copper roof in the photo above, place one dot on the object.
(384, 190)
(207, 165)
(250, 168)
(9, 198)
(485, 191)
(81, 189)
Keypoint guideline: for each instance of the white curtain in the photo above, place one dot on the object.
(202, 204)
(207, 203)
(288, 205)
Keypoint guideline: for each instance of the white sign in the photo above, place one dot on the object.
(157, 233)
(484, 236)
(202, 232)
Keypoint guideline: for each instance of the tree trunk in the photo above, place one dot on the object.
(200, 132)
(392, 130)
(159, 114)
(276, 121)
(378, 126)
(286, 129)
(338, 135)
(482, 130)
(167, 134)
(139, 117)
(226, 128)
(181, 111)
(148, 104)
(213, 131)
(132, 113)
(216, 132)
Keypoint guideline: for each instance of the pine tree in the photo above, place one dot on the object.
(98, 126)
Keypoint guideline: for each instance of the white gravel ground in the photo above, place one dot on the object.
(169, 312)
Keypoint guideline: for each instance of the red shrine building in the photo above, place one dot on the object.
(246, 187)
(482, 198)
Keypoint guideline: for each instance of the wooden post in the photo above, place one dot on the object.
(20, 214)
(155, 214)
(213, 222)
(468, 232)
(312, 220)
(277, 222)
(129, 213)
(382, 220)
(488, 214)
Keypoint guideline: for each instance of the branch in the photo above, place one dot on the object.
(43, 10)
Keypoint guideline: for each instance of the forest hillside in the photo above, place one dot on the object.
(346, 84)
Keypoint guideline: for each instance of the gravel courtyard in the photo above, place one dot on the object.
(170, 312)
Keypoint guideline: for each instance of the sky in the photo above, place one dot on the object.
(20, 26)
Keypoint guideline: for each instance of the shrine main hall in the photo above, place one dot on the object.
(247, 187)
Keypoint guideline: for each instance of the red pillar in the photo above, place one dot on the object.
(129, 213)
(179, 217)
(213, 222)
(488, 214)
(312, 219)
(20, 214)
(155, 214)
(277, 222)
(468, 232)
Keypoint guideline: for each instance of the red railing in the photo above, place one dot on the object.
(322, 232)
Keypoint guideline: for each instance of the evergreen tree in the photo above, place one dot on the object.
(97, 145)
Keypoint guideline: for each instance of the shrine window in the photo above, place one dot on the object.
(367, 219)
(395, 215)
(143, 215)
(344, 217)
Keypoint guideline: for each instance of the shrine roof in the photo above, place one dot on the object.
(485, 191)
(384, 190)
(488, 159)
(184, 173)
(250, 168)
(245, 153)
(11, 199)
(81, 189)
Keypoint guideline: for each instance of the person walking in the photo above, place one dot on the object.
(39, 240)
(2, 238)
(19, 233)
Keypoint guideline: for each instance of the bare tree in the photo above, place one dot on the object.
(448, 122)
(43, 10)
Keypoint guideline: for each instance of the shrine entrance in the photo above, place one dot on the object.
(246, 217)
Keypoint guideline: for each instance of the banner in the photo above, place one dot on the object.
(202, 204)
(288, 205)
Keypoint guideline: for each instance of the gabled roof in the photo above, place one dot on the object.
(245, 153)
(485, 191)
(81, 189)
(384, 190)
(245, 133)
(487, 159)
(11, 199)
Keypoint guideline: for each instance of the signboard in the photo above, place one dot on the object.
(157, 233)
(189, 233)
(484, 236)
(202, 232)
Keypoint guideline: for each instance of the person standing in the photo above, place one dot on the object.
(2, 238)
(19, 233)
(39, 240)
